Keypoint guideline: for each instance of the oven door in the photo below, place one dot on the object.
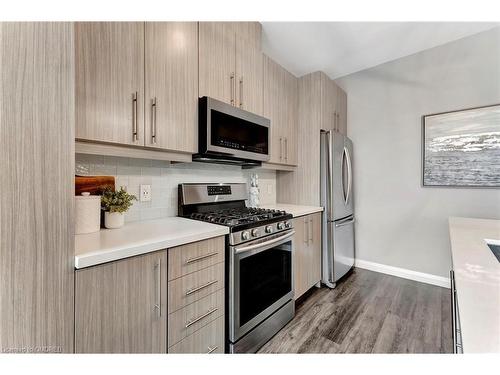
(260, 281)
(231, 131)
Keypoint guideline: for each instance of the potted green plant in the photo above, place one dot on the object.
(115, 204)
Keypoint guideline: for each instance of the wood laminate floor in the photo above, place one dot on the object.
(369, 312)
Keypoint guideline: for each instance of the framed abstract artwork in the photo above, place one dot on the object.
(462, 148)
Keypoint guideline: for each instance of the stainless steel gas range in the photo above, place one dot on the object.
(259, 248)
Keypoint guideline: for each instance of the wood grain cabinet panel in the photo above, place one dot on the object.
(171, 71)
(217, 61)
(342, 111)
(110, 82)
(195, 256)
(121, 306)
(37, 187)
(307, 252)
(207, 340)
(280, 106)
(249, 66)
(329, 105)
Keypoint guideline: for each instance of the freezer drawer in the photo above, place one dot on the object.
(340, 248)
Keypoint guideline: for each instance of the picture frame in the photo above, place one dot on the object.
(461, 148)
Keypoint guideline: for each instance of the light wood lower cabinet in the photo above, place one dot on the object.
(120, 307)
(124, 306)
(307, 252)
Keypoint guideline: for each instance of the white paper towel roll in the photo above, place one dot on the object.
(88, 213)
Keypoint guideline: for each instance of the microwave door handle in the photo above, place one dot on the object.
(264, 245)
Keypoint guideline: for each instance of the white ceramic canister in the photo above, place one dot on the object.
(88, 213)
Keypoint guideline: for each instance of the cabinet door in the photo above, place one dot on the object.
(342, 111)
(314, 249)
(291, 118)
(300, 249)
(110, 82)
(217, 76)
(171, 118)
(249, 66)
(273, 107)
(120, 307)
(328, 103)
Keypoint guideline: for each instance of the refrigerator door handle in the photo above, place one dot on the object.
(349, 174)
(344, 222)
(329, 150)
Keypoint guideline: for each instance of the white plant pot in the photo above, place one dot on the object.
(114, 220)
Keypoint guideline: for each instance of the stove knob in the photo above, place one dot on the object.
(281, 226)
(255, 232)
(269, 229)
(288, 224)
(245, 235)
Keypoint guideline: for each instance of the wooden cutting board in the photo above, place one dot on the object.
(93, 184)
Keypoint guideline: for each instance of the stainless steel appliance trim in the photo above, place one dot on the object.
(261, 334)
(346, 221)
(241, 114)
(198, 193)
(261, 246)
(236, 239)
(190, 322)
(235, 330)
(329, 186)
(201, 257)
(196, 289)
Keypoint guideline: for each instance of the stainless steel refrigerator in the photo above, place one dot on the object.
(337, 200)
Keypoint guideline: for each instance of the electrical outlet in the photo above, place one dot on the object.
(145, 193)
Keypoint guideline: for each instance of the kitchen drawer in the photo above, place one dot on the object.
(195, 256)
(196, 285)
(188, 320)
(209, 339)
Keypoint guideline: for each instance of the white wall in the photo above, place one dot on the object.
(400, 223)
(164, 179)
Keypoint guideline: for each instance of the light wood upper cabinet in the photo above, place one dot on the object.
(110, 82)
(230, 67)
(249, 66)
(328, 103)
(171, 69)
(217, 65)
(280, 106)
(121, 307)
(342, 111)
(307, 252)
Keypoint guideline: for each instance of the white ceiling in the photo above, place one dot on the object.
(342, 48)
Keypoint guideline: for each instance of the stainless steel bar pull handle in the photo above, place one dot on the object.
(334, 121)
(153, 120)
(211, 350)
(195, 320)
(231, 82)
(158, 287)
(201, 257)
(310, 230)
(241, 92)
(194, 290)
(134, 117)
(306, 228)
(281, 148)
(338, 123)
(286, 148)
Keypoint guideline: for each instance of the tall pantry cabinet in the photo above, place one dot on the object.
(37, 187)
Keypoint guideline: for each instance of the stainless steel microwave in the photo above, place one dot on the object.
(231, 135)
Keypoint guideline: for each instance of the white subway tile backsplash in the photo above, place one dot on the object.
(164, 179)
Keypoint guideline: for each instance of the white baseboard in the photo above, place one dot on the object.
(404, 273)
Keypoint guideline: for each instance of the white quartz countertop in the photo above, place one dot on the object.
(477, 279)
(139, 238)
(293, 209)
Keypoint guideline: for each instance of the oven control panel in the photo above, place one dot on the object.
(238, 237)
(219, 190)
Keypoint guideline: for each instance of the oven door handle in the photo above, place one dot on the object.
(239, 250)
